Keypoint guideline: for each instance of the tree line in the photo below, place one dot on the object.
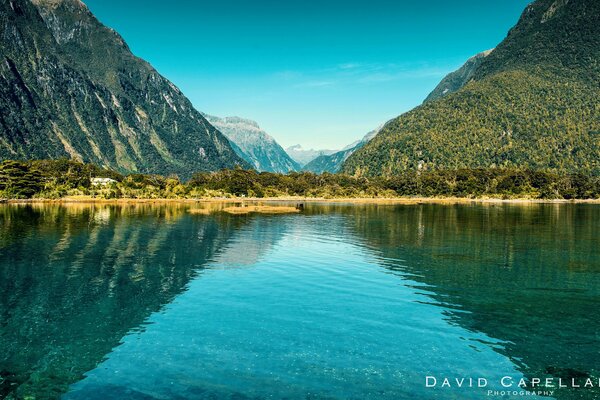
(54, 179)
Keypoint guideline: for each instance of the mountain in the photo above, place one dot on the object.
(303, 156)
(459, 78)
(254, 145)
(532, 102)
(333, 162)
(70, 87)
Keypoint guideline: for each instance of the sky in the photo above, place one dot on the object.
(317, 73)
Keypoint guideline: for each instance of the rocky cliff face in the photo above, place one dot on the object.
(70, 87)
(254, 145)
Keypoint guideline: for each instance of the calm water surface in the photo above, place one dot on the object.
(339, 302)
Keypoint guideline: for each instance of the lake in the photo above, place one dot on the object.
(340, 301)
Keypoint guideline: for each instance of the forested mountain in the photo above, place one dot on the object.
(459, 78)
(303, 156)
(70, 87)
(333, 162)
(254, 145)
(533, 102)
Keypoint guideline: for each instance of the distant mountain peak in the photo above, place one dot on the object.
(242, 121)
(333, 162)
(303, 156)
(254, 144)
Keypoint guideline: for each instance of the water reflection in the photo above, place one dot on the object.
(311, 317)
(74, 280)
(342, 301)
(527, 275)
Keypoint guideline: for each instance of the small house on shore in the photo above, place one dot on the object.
(102, 181)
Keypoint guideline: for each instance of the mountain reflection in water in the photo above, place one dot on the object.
(341, 301)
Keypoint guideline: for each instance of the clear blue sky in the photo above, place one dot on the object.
(319, 73)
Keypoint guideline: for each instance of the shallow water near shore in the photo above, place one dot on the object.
(339, 301)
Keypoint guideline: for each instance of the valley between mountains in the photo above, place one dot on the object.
(70, 88)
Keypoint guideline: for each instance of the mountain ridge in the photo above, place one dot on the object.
(532, 103)
(70, 87)
(332, 163)
(254, 145)
(303, 156)
(459, 78)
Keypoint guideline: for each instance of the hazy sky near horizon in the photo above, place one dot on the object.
(318, 73)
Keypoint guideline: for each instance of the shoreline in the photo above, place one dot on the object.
(367, 200)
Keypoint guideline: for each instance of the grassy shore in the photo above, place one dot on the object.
(69, 181)
(297, 199)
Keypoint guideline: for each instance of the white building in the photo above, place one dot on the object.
(102, 181)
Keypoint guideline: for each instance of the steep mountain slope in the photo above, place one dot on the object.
(333, 162)
(303, 156)
(254, 145)
(459, 78)
(533, 102)
(70, 87)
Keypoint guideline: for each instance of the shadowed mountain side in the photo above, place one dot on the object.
(108, 269)
(70, 87)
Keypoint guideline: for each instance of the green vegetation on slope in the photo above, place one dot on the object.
(333, 162)
(60, 178)
(459, 78)
(70, 87)
(498, 122)
(534, 102)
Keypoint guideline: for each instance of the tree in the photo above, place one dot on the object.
(19, 180)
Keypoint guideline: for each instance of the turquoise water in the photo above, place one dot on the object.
(338, 302)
